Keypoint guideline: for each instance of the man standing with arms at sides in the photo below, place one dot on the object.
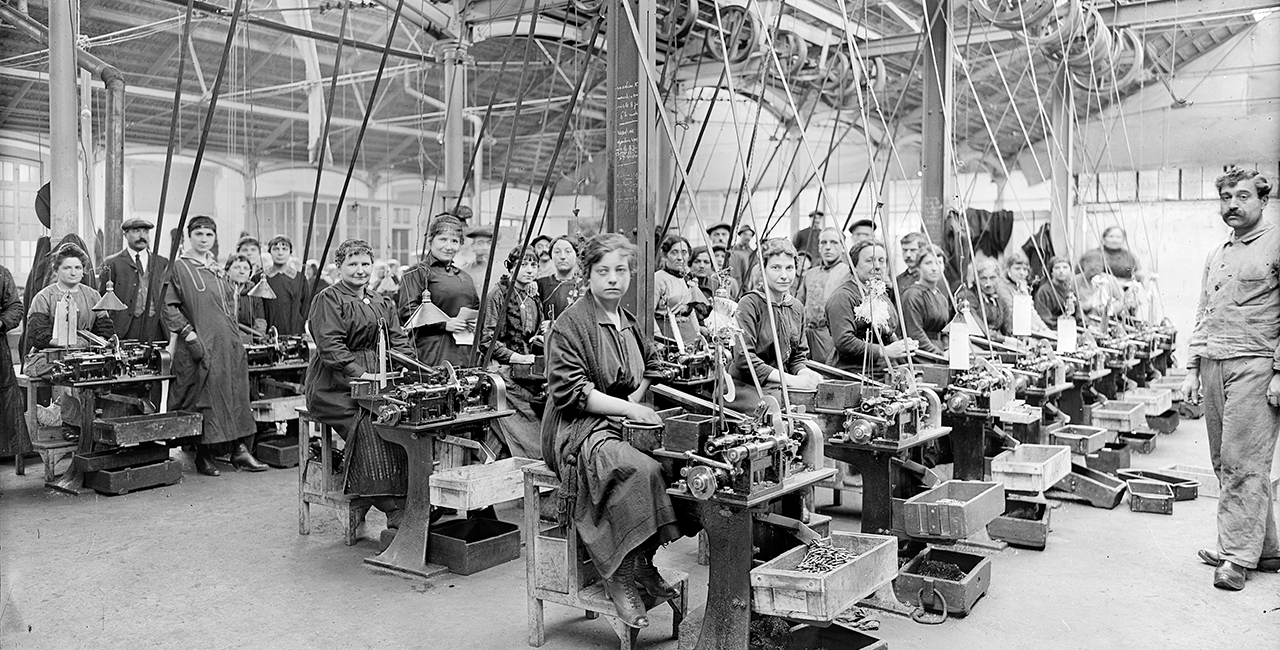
(830, 272)
(132, 271)
(806, 241)
(1234, 365)
(742, 257)
(480, 239)
(287, 312)
(910, 243)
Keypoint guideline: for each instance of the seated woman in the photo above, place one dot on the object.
(773, 350)
(249, 311)
(1057, 296)
(598, 367)
(993, 315)
(864, 324)
(519, 338)
(1115, 256)
(926, 304)
(678, 302)
(449, 288)
(210, 362)
(559, 289)
(700, 267)
(1097, 291)
(731, 284)
(345, 322)
(68, 263)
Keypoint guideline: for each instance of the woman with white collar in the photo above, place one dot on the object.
(209, 360)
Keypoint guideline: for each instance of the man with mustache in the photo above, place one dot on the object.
(1234, 366)
(135, 274)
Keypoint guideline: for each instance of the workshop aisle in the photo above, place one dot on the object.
(217, 563)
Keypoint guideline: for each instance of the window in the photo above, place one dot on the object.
(19, 228)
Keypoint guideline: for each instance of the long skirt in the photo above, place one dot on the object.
(521, 431)
(374, 467)
(622, 500)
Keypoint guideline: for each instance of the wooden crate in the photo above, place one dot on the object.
(1119, 416)
(778, 590)
(145, 428)
(129, 479)
(469, 546)
(1143, 442)
(953, 510)
(479, 486)
(109, 459)
(277, 409)
(915, 589)
(1150, 496)
(1031, 468)
(1113, 457)
(1157, 400)
(1082, 440)
(1025, 523)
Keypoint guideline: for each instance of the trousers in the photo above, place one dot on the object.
(1243, 430)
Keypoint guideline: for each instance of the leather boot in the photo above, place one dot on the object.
(1229, 576)
(204, 462)
(621, 588)
(650, 580)
(241, 459)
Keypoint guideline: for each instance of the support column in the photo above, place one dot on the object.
(88, 185)
(631, 163)
(64, 168)
(455, 93)
(935, 150)
(1068, 238)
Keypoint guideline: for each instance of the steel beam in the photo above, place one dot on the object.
(935, 150)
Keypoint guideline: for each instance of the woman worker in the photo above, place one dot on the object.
(863, 321)
(598, 369)
(209, 361)
(449, 288)
(248, 309)
(345, 322)
(926, 304)
(68, 262)
(559, 289)
(520, 338)
(1057, 296)
(773, 349)
(989, 311)
(678, 302)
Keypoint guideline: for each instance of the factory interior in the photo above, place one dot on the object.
(672, 324)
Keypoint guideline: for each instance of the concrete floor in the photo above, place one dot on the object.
(218, 563)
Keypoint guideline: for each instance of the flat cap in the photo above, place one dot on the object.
(718, 227)
(137, 222)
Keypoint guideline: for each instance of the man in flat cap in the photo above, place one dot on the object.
(136, 276)
(806, 240)
(742, 257)
(863, 230)
(479, 239)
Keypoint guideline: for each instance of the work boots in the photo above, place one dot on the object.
(241, 459)
(621, 588)
(650, 580)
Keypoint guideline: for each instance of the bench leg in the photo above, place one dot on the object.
(537, 633)
(351, 517)
(50, 461)
(304, 517)
(678, 605)
(626, 634)
(19, 464)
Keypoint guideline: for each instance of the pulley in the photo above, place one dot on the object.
(701, 481)
(734, 20)
(840, 74)
(792, 51)
(678, 22)
(589, 7)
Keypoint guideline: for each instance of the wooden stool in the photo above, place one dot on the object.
(318, 484)
(557, 570)
(46, 441)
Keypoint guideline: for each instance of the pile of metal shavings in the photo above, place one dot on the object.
(823, 557)
(858, 618)
(769, 633)
(942, 570)
(949, 502)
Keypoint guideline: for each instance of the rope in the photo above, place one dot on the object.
(324, 141)
(355, 152)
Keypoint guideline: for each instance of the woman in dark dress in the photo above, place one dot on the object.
(287, 312)
(519, 340)
(209, 361)
(926, 304)
(248, 308)
(773, 350)
(345, 321)
(599, 366)
(678, 302)
(561, 287)
(438, 280)
(993, 316)
(865, 331)
(1057, 297)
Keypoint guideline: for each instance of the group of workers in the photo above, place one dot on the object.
(562, 298)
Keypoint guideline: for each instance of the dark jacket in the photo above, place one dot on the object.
(121, 270)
